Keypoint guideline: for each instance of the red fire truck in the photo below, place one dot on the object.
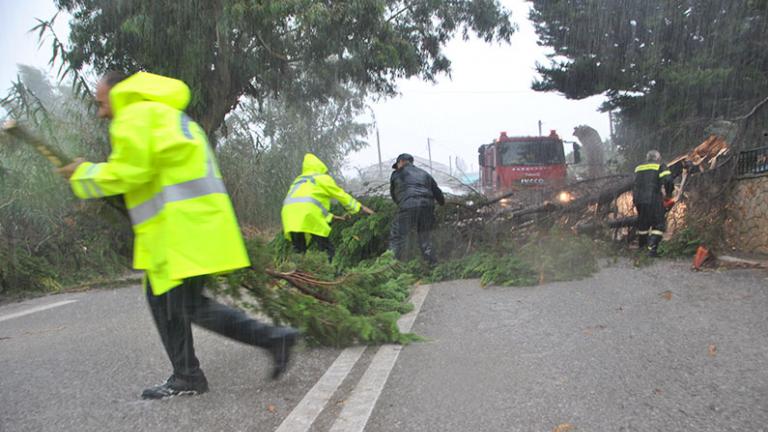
(511, 163)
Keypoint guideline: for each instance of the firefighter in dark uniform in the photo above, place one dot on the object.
(415, 192)
(650, 178)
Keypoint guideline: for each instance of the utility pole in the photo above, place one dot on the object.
(450, 165)
(429, 151)
(378, 143)
(378, 147)
(540, 123)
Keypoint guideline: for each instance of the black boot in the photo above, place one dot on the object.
(429, 256)
(642, 241)
(280, 347)
(653, 245)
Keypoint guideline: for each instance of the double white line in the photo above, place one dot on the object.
(359, 406)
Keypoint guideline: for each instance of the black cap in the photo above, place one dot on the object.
(404, 156)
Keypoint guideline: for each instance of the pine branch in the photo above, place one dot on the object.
(302, 283)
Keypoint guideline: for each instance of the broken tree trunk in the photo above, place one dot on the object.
(584, 198)
(601, 197)
(591, 227)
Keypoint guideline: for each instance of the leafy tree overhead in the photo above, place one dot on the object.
(225, 49)
(265, 143)
(670, 67)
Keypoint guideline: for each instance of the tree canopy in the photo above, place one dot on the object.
(265, 144)
(670, 67)
(225, 49)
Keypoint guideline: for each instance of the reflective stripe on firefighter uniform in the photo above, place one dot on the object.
(307, 205)
(650, 178)
(181, 214)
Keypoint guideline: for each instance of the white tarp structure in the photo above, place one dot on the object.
(374, 179)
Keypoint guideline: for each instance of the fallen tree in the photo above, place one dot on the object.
(360, 307)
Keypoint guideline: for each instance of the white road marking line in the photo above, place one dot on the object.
(313, 403)
(35, 309)
(304, 415)
(362, 400)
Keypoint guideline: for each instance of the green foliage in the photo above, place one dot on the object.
(365, 304)
(363, 237)
(682, 245)
(358, 238)
(491, 269)
(670, 67)
(20, 270)
(560, 256)
(547, 257)
(280, 247)
(301, 48)
(49, 238)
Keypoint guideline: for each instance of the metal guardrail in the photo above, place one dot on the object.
(753, 162)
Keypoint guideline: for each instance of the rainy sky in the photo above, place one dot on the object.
(17, 45)
(488, 92)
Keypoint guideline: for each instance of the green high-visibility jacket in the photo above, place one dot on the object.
(182, 218)
(307, 206)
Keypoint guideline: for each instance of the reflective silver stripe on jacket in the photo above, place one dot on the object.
(352, 206)
(185, 126)
(86, 183)
(91, 189)
(207, 185)
(301, 181)
(290, 199)
(178, 192)
(92, 170)
(309, 200)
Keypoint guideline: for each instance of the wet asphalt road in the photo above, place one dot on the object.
(82, 367)
(653, 349)
(611, 353)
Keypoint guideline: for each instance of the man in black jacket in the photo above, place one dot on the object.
(650, 177)
(415, 192)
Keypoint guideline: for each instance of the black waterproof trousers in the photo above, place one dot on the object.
(175, 311)
(299, 242)
(423, 219)
(651, 217)
(651, 223)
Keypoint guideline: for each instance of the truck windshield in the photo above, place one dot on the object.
(542, 152)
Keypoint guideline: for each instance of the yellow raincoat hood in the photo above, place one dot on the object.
(145, 86)
(313, 165)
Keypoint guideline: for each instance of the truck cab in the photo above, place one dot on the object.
(523, 162)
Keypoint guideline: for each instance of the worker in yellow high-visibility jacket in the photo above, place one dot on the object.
(306, 212)
(182, 217)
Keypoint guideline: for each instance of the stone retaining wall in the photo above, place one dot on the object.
(746, 228)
